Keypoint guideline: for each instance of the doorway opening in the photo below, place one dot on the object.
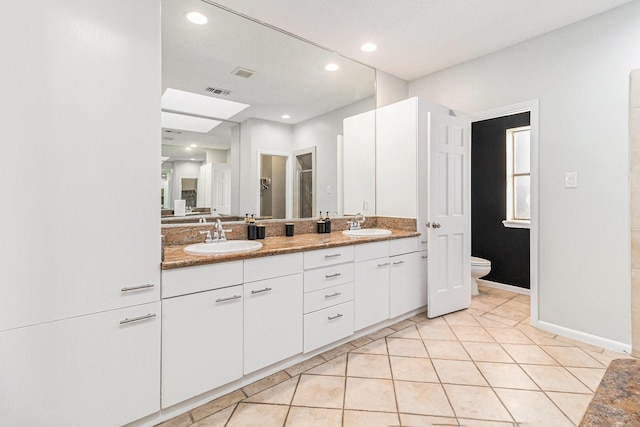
(273, 186)
(304, 194)
(512, 116)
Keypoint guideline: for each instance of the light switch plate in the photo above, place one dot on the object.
(571, 180)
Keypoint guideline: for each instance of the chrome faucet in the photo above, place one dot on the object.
(219, 234)
(208, 238)
(354, 224)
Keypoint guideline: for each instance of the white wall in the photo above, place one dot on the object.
(390, 89)
(580, 74)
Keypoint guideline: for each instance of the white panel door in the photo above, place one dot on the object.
(449, 243)
(221, 189)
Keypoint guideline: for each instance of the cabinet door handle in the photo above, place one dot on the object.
(383, 264)
(137, 288)
(229, 299)
(259, 291)
(424, 241)
(335, 294)
(138, 319)
(398, 262)
(424, 257)
(335, 317)
(332, 255)
(330, 276)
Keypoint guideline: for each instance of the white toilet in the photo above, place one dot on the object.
(480, 267)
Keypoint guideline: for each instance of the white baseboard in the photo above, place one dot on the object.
(584, 337)
(510, 288)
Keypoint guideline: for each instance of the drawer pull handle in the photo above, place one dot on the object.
(383, 264)
(424, 257)
(331, 276)
(332, 256)
(335, 294)
(398, 262)
(138, 319)
(229, 299)
(259, 291)
(424, 241)
(136, 288)
(335, 317)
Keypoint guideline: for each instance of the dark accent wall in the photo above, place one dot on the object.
(506, 248)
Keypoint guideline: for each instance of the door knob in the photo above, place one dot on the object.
(435, 224)
(428, 225)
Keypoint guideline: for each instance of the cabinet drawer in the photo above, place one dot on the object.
(369, 251)
(328, 276)
(330, 256)
(272, 266)
(328, 297)
(403, 246)
(182, 281)
(323, 327)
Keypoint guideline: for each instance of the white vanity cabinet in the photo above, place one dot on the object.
(404, 276)
(272, 310)
(202, 315)
(96, 370)
(371, 284)
(328, 298)
(201, 342)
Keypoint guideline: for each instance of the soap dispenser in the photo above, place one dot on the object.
(327, 223)
(252, 229)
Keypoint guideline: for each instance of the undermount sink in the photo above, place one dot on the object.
(228, 247)
(367, 232)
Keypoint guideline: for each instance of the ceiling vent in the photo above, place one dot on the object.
(218, 91)
(243, 72)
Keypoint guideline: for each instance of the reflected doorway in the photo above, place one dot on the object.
(304, 201)
(189, 191)
(273, 188)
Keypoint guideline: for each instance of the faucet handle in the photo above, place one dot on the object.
(208, 238)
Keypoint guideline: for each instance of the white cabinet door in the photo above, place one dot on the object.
(396, 159)
(371, 295)
(102, 227)
(404, 284)
(424, 275)
(272, 321)
(85, 371)
(201, 343)
(449, 216)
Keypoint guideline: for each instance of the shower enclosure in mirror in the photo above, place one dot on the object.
(234, 88)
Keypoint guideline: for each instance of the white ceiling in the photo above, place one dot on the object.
(419, 37)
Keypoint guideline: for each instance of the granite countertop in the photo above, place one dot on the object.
(617, 398)
(175, 257)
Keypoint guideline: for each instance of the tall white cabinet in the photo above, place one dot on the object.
(80, 269)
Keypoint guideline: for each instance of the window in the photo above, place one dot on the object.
(518, 178)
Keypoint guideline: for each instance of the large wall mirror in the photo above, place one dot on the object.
(252, 121)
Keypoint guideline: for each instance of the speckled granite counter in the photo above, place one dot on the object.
(175, 257)
(617, 399)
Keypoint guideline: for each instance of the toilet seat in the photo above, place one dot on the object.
(480, 261)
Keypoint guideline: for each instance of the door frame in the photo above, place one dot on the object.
(531, 106)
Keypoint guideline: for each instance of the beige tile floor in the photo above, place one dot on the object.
(484, 366)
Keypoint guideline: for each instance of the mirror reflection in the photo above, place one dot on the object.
(252, 120)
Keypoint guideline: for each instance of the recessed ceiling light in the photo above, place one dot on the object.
(285, 116)
(193, 159)
(368, 47)
(194, 145)
(196, 18)
(332, 67)
(188, 148)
